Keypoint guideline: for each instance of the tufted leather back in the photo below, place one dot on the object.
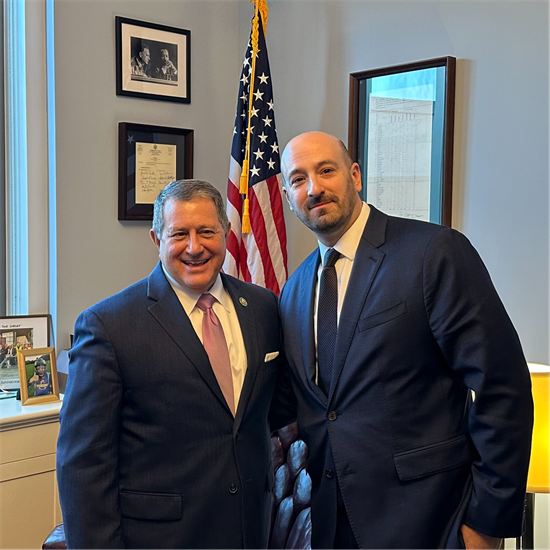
(291, 511)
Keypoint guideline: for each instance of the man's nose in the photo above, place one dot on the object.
(313, 187)
(194, 245)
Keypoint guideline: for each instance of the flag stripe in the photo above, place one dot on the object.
(277, 214)
(264, 199)
(231, 264)
(260, 236)
(279, 217)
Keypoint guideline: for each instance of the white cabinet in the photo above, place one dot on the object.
(29, 503)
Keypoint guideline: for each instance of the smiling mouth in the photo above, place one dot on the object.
(319, 205)
(194, 263)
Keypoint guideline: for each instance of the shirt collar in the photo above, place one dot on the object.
(189, 298)
(349, 242)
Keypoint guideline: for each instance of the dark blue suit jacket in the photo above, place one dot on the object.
(149, 454)
(421, 326)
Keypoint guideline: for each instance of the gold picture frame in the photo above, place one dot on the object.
(38, 382)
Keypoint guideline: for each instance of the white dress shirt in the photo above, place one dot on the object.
(347, 246)
(224, 308)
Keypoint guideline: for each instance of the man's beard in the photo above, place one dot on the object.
(330, 222)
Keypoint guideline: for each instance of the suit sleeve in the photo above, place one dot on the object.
(283, 406)
(87, 449)
(482, 347)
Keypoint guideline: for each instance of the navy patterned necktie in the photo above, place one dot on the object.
(327, 319)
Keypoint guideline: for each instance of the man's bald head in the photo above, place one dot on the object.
(316, 139)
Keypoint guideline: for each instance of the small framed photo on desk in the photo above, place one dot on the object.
(37, 375)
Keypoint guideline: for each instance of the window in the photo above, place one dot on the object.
(30, 158)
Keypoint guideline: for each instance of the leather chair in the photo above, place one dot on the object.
(56, 539)
(291, 511)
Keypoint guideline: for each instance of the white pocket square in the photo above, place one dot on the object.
(270, 356)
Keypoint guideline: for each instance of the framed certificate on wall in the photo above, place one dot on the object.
(150, 157)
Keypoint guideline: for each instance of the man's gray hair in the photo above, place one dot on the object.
(187, 190)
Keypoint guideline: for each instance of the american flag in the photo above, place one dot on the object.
(259, 256)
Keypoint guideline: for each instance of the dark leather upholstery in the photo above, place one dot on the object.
(291, 512)
(56, 539)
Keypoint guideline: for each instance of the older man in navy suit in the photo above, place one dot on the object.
(164, 439)
(389, 327)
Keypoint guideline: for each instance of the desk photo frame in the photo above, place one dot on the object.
(38, 376)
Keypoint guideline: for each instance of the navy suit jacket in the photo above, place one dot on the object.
(421, 325)
(149, 454)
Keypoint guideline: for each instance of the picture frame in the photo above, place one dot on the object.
(401, 128)
(150, 157)
(38, 375)
(20, 332)
(152, 61)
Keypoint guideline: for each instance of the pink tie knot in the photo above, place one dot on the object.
(205, 303)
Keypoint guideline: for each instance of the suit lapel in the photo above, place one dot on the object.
(168, 311)
(245, 308)
(368, 260)
(306, 293)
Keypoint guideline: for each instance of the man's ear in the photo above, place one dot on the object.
(356, 176)
(154, 238)
(286, 197)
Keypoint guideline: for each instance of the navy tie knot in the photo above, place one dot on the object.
(331, 257)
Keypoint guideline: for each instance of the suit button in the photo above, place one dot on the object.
(233, 489)
(329, 473)
(332, 416)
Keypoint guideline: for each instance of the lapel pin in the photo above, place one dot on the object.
(243, 302)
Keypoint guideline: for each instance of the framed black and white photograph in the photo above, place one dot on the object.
(149, 158)
(20, 333)
(38, 375)
(153, 61)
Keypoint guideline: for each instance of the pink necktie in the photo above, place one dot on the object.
(213, 340)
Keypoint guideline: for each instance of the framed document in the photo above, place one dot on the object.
(401, 126)
(152, 61)
(150, 157)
